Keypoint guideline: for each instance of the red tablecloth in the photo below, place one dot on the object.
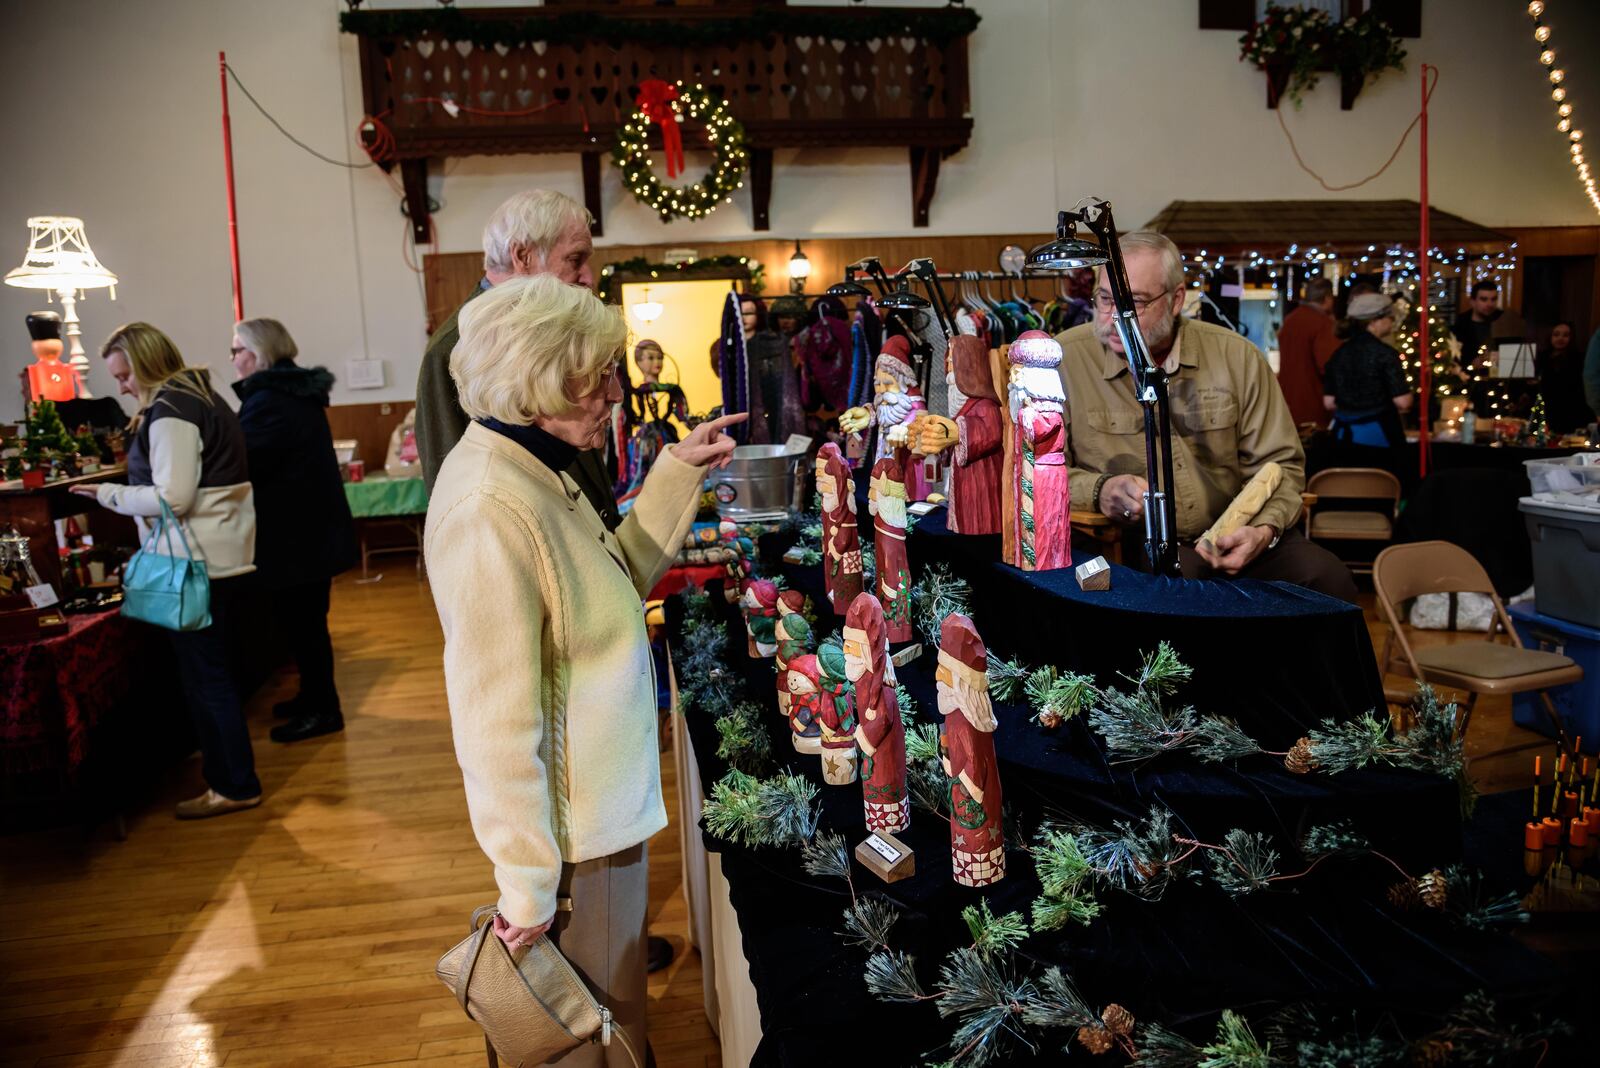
(682, 577)
(54, 690)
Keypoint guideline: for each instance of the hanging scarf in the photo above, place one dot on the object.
(733, 367)
(655, 101)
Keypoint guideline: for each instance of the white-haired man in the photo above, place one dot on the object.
(534, 232)
(1229, 419)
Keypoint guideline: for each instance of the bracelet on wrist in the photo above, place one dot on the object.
(1099, 484)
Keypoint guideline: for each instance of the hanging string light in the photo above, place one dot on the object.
(1565, 123)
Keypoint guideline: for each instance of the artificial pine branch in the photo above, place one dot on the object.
(908, 704)
(939, 594)
(983, 992)
(867, 921)
(929, 789)
(731, 810)
(1353, 744)
(1246, 864)
(827, 854)
(1217, 738)
(1435, 743)
(1162, 672)
(743, 740)
(1160, 1048)
(1468, 901)
(922, 742)
(1139, 859)
(1474, 1034)
(1137, 727)
(1234, 1046)
(1006, 678)
(892, 976)
(779, 811)
(991, 933)
(1065, 875)
(1339, 838)
(1306, 1039)
(1058, 1004)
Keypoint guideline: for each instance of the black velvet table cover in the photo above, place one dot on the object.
(1275, 657)
(1327, 937)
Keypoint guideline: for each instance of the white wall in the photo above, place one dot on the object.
(112, 113)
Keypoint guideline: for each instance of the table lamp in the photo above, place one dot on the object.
(59, 258)
(1069, 252)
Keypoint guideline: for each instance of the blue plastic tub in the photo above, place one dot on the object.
(1579, 702)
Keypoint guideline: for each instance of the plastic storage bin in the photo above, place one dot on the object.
(1578, 703)
(1570, 480)
(1566, 560)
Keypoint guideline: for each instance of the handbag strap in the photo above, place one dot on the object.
(167, 516)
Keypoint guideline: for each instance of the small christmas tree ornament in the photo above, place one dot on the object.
(879, 731)
(977, 835)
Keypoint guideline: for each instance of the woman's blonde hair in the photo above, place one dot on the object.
(268, 340)
(530, 346)
(156, 363)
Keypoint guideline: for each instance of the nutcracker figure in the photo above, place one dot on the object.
(886, 499)
(1038, 475)
(879, 733)
(759, 604)
(838, 717)
(841, 541)
(805, 704)
(977, 837)
(49, 378)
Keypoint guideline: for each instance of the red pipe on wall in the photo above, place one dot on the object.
(233, 210)
(1425, 376)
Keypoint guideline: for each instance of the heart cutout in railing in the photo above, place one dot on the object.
(424, 48)
(562, 93)
(427, 75)
(859, 92)
(539, 47)
(524, 97)
(893, 91)
(908, 43)
(787, 90)
(824, 91)
(838, 46)
(465, 48)
(503, 48)
(541, 72)
(803, 43)
(486, 98)
(751, 88)
(599, 93)
(873, 45)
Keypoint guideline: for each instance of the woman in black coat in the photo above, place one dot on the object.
(304, 532)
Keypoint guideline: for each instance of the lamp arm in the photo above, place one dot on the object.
(929, 274)
(1104, 227)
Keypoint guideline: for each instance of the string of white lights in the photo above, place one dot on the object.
(1558, 92)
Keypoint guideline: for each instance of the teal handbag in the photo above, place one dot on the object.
(166, 590)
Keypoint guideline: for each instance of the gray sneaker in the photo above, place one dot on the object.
(211, 804)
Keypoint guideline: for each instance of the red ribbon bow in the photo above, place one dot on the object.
(655, 101)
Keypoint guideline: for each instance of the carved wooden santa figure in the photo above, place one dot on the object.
(879, 733)
(838, 717)
(794, 639)
(759, 603)
(841, 541)
(886, 498)
(976, 438)
(804, 678)
(1038, 475)
(977, 837)
(897, 401)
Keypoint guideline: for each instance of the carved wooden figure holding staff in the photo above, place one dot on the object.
(977, 436)
(977, 836)
(837, 713)
(841, 541)
(886, 498)
(879, 732)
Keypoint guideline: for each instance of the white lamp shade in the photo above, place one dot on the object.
(59, 257)
(647, 311)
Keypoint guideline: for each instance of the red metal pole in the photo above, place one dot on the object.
(233, 210)
(1425, 378)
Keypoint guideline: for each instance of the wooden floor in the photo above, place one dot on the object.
(305, 932)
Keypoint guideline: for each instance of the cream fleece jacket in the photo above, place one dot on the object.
(546, 661)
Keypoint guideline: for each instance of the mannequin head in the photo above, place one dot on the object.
(649, 358)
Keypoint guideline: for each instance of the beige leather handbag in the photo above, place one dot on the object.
(531, 1010)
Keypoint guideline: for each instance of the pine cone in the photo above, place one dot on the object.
(1403, 895)
(1095, 1039)
(1300, 759)
(1432, 1053)
(1433, 889)
(1118, 1020)
(1048, 719)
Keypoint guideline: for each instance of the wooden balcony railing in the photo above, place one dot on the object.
(563, 79)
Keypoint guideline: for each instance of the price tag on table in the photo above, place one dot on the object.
(43, 595)
(888, 852)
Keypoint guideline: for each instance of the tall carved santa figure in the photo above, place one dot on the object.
(977, 836)
(805, 704)
(1040, 508)
(886, 498)
(841, 541)
(837, 714)
(975, 439)
(759, 603)
(794, 639)
(897, 401)
(879, 733)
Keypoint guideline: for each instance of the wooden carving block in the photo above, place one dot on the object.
(1250, 500)
(886, 856)
(906, 655)
(1094, 574)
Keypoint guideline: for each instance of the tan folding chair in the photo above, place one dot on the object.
(1403, 572)
(1351, 483)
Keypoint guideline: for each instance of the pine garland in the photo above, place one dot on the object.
(991, 933)
(780, 811)
(1006, 678)
(939, 594)
(1247, 863)
(743, 740)
(1067, 893)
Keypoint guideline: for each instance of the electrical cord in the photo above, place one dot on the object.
(268, 116)
(1427, 95)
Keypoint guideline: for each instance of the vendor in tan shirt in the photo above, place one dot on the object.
(1229, 419)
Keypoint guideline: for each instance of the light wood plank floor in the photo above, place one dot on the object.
(303, 932)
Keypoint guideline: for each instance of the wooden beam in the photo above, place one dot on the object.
(924, 180)
(591, 192)
(414, 179)
(760, 188)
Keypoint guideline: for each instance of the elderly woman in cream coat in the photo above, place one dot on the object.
(547, 664)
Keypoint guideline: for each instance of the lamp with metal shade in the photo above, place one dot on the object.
(1070, 252)
(59, 259)
(849, 287)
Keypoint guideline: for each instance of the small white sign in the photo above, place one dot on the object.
(679, 255)
(882, 848)
(363, 374)
(797, 443)
(42, 595)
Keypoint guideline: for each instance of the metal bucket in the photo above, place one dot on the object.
(759, 483)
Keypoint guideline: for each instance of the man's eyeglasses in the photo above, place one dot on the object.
(1105, 302)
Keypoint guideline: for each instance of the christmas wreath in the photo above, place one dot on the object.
(667, 106)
